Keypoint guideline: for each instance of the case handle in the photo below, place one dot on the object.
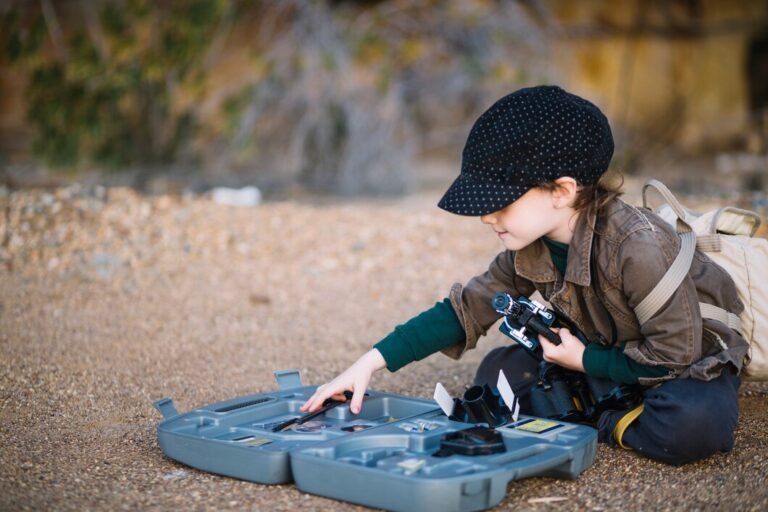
(288, 379)
(166, 407)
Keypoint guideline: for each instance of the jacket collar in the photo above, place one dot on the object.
(534, 262)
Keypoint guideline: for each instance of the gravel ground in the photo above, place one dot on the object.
(110, 300)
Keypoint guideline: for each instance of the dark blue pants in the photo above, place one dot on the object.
(683, 420)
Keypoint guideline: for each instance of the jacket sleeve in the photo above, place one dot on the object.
(612, 363)
(421, 336)
(472, 302)
(671, 338)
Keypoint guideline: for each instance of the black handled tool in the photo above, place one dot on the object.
(327, 405)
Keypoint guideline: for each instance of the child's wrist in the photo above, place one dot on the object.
(374, 359)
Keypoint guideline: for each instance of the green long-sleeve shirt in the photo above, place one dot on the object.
(422, 335)
(439, 327)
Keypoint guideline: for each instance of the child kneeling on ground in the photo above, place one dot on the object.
(532, 170)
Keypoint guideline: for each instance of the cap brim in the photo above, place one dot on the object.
(467, 196)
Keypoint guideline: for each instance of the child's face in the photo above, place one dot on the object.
(538, 212)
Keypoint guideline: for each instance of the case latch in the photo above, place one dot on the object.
(166, 407)
(288, 379)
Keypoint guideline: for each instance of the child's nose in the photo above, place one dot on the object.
(488, 218)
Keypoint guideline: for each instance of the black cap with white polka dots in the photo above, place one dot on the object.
(529, 137)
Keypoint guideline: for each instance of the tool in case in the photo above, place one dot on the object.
(398, 453)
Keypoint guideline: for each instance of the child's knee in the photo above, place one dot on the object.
(680, 433)
(699, 428)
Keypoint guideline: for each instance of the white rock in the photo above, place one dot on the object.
(246, 196)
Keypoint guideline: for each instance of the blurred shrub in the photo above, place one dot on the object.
(313, 116)
(338, 96)
(103, 92)
(347, 93)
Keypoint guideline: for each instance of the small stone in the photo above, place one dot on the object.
(258, 299)
(246, 196)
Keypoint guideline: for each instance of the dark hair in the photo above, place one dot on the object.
(595, 196)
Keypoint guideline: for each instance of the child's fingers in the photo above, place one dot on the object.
(548, 348)
(306, 406)
(322, 394)
(545, 347)
(561, 331)
(357, 400)
(567, 354)
(546, 344)
(317, 399)
(357, 396)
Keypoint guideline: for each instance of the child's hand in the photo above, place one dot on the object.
(355, 379)
(567, 354)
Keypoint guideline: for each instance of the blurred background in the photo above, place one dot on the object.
(129, 127)
(372, 98)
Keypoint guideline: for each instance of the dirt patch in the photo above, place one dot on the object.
(109, 300)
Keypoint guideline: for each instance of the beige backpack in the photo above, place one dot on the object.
(726, 236)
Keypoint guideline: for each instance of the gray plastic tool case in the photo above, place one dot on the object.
(383, 457)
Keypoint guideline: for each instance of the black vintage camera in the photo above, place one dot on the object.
(559, 393)
(566, 395)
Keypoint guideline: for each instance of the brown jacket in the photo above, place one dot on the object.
(633, 248)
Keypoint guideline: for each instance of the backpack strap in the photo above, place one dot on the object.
(671, 280)
(716, 313)
(683, 214)
(682, 264)
(674, 276)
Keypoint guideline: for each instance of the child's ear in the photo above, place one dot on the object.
(565, 192)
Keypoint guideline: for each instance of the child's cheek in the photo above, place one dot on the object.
(513, 244)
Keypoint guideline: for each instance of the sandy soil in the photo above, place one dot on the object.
(110, 300)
